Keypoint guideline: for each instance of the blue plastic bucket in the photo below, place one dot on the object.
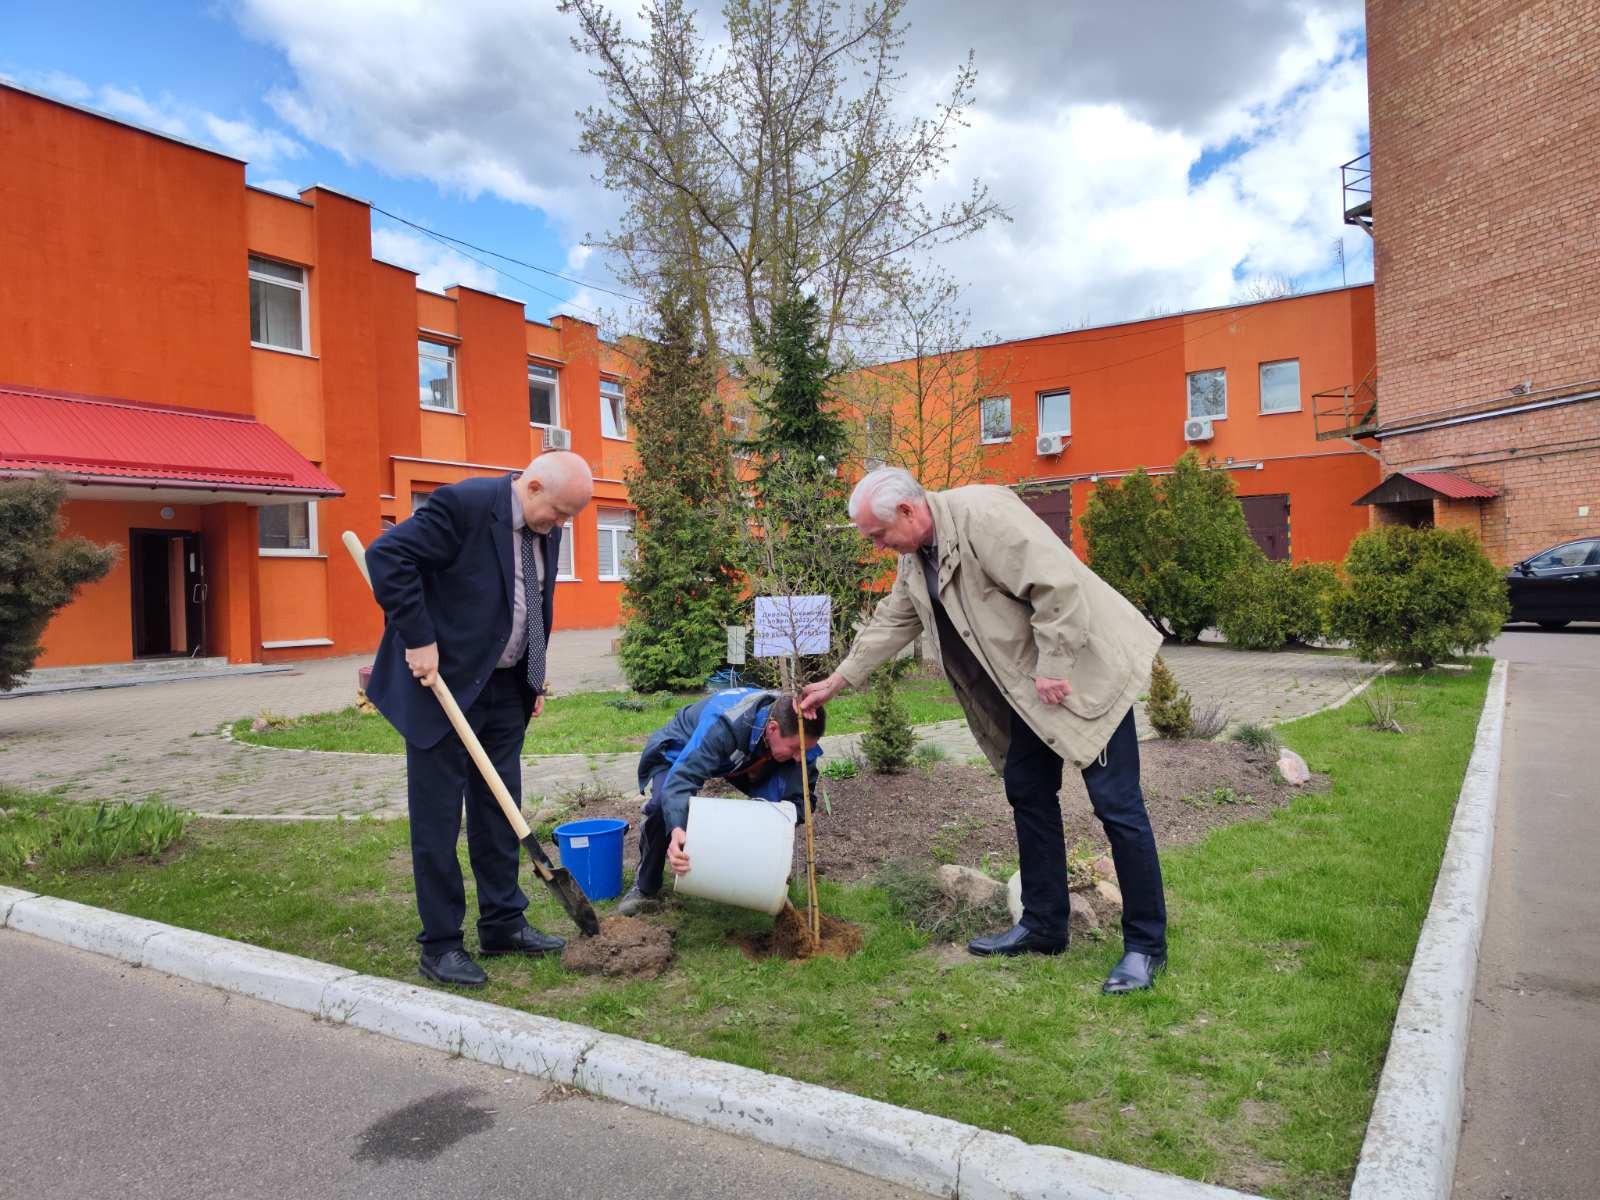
(592, 851)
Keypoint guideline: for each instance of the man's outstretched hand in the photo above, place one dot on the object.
(814, 695)
(1052, 691)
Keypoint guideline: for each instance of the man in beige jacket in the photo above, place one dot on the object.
(1046, 659)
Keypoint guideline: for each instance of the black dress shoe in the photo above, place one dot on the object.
(1019, 939)
(453, 967)
(1134, 973)
(526, 940)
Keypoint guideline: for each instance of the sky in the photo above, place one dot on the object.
(1153, 155)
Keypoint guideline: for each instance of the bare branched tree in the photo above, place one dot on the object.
(1265, 287)
(925, 408)
(768, 159)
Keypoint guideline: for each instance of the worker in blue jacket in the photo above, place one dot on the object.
(747, 736)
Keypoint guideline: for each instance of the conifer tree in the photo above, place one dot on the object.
(39, 570)
(684, 585)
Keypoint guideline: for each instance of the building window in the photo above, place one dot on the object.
(277, 305)
(1280, 386)
(996, 419)
(616, 542)
(877, 437)
(1208, 394)
(436, 376)
(288, 529)
(564, 557)
(418, 499)
(613, 410)
(1055, 413)
(544, 396)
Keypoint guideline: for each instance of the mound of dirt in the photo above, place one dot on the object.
(625, 946)
(790, 939)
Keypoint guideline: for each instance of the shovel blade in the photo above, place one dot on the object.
(563, 887)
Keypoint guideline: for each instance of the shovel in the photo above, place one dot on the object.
(558, 879)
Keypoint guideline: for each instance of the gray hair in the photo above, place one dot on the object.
(881, 491)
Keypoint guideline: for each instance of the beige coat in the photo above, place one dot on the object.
(1030, 608)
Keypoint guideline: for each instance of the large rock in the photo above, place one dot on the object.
(968, 886)
(1104, 868)
(1108, 898)
(1293, 768)
(1014, 896)
(1082, 921)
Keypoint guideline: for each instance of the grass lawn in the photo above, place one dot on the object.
(1253, 1063)
(586, 722)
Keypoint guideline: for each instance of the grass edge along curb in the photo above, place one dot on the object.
(1415, 1128)
(898, 1145)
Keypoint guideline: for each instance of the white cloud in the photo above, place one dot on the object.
(260, 146)
(437, 266)
(1090, 123)
(284, 187)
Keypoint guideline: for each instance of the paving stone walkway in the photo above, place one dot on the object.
(163, 739)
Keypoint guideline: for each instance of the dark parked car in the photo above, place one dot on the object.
(1559, 585)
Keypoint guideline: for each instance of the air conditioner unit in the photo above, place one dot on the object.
(1050, 443)
(557, 439)
(1197, 429)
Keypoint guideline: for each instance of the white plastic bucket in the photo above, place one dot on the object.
(739, 851)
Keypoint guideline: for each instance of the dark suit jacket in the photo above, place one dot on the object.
(445, 575)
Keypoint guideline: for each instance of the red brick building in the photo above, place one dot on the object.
(1485, 211)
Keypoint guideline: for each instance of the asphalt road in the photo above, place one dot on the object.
(122, 1082)
(1533, 1064)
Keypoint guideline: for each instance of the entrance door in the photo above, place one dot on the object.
(1268, 519)
(1054, 509)
(169, 593)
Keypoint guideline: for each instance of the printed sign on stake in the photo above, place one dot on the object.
(788, 626)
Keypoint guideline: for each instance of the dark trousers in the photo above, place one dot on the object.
(1033, 786)
(437, 779)
(653, 835)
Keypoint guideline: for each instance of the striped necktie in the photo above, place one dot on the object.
(533, 597)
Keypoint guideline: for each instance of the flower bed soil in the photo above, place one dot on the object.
(958, 813)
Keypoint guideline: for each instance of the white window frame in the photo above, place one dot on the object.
(1261, 381)
(608, 530)
(312, 550)
(618, 415)
(1040, 398)
(455, 384)
(1188, 392)
(555, 395)
(570, 550)
(983, 425)
(302, 287)
(418, 499)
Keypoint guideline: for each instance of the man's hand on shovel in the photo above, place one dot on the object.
(424, 663)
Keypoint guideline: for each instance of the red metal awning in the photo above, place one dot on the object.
(1453, 486)
(1406, 486)
(97, 440)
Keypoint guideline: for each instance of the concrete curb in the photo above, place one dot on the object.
(897, 1145)
(1412, 1138)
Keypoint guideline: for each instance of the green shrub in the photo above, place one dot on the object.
(64, 837)
(1251, 605)
(1263, 605)
(929, 753)
(841, 768)
(1313, 593)
(888, 743)
(1168, 708)
(1419, 595)
(1168, 549)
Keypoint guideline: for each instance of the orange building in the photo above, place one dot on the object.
(228, 379)
(1236, 384)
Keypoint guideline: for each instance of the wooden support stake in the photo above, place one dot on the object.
(813, 907)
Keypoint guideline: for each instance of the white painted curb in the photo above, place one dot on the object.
(1410, 1149)
(897, 1145)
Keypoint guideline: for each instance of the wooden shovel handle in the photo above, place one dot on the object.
(458, 720)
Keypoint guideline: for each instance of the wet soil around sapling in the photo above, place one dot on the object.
(790, 938)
